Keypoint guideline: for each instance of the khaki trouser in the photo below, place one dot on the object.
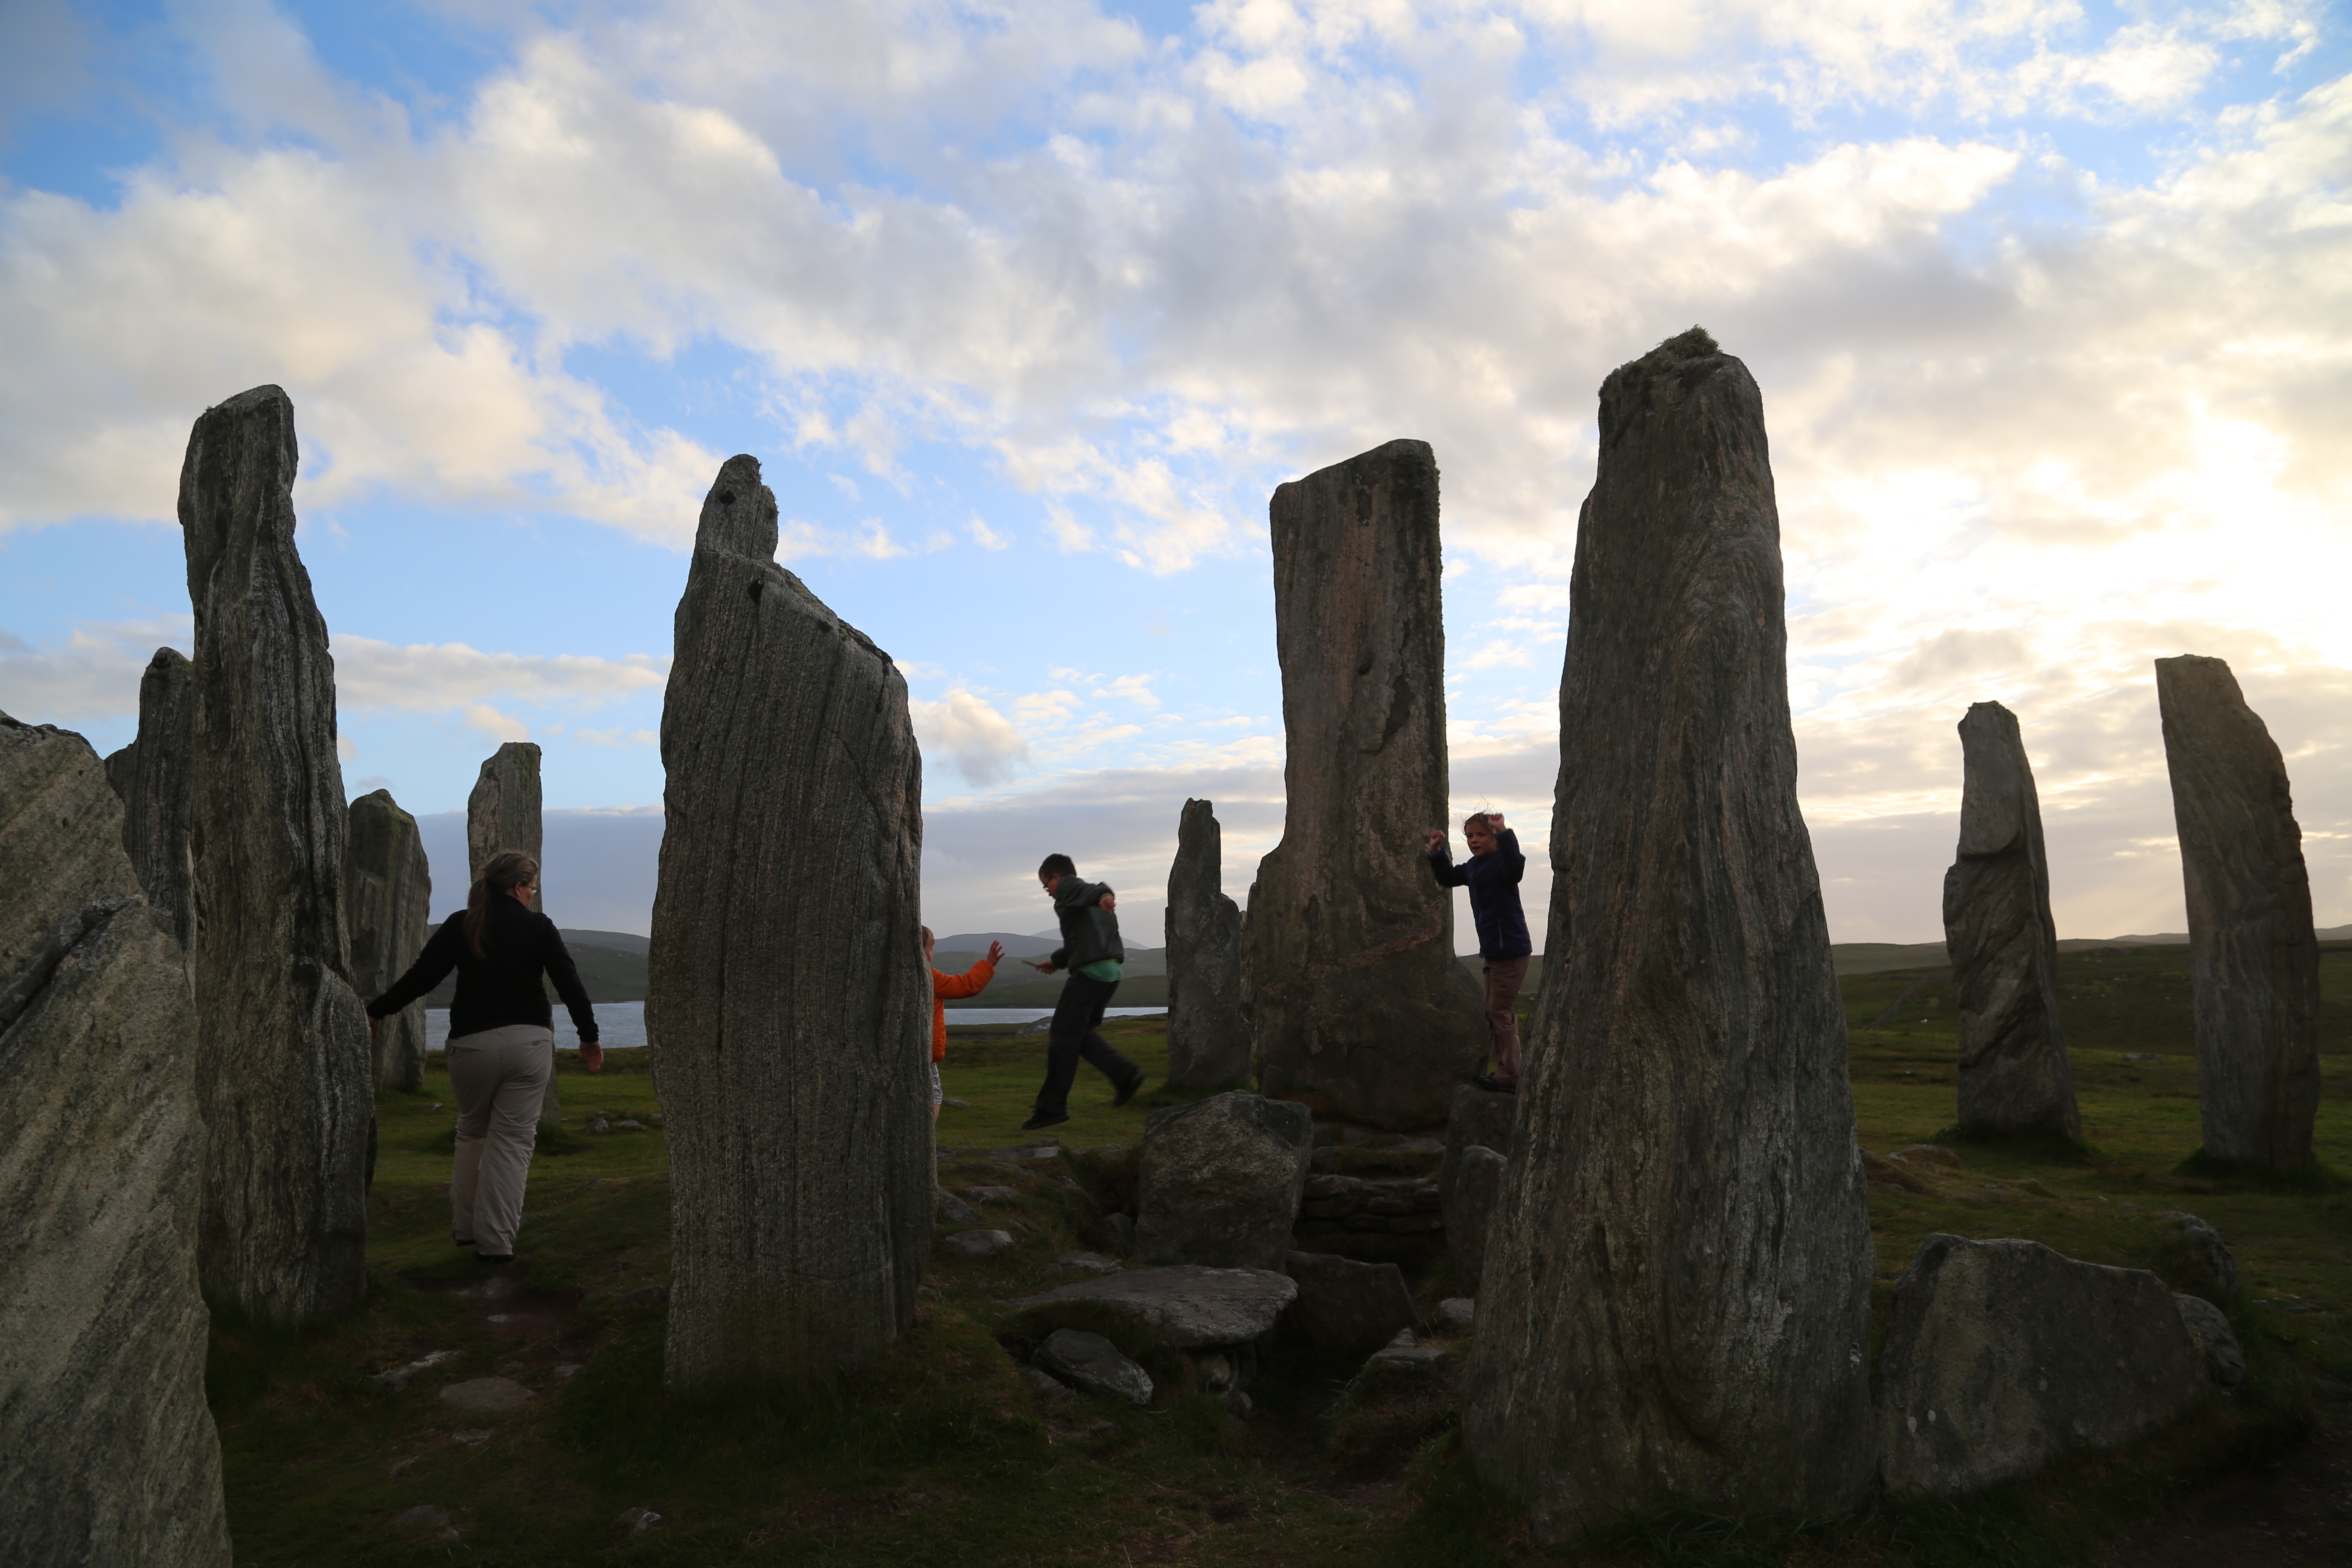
(1504, 978)
(498, 1077)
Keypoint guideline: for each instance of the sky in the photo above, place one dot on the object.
(1025, 310)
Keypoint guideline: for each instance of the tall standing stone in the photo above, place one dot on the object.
(1354, 991)
(503, 813)
(283, 1077)
(1676, 1294)
(2014, 1080)
(109, 1454)
(152, 777)
(1208, 1037)
(789, 1004)
(2253, 967)
(390, 909)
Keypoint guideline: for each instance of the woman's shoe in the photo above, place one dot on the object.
(462, 1241)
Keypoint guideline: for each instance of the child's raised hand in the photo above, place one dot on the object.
(995, 952)
(1436, 839)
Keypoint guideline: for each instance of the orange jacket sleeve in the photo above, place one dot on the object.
(944, 987)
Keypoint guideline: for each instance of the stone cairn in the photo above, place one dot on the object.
(110, 1455)
(1208, 1037)
(2013, 1077)
(789, 1000)
(284, 1076)
(2253, 965)
(152, 776)
(1353, 988)
(503, 813)
(389, 901)
(1684, 1206)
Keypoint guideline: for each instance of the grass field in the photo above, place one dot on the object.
(939, 1454)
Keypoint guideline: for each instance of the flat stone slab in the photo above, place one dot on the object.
(1186, 1304)
(1093, 1262)
(1095, 1364)
(486, 1395)
(978, 1243)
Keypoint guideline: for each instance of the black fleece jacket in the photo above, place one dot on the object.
(501, 987)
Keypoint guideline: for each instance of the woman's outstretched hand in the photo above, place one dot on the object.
(592, 1056)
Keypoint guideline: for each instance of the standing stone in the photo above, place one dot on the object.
(389, 906)
(1208, 1037)
(1677, 1303)
(151, 775)
(503, 813)
(1346, 1309)
(109, 1454)
(2014, 1080)
(1479, 1116)
(1469, 1207)
(789, 1004)
(1220, 1180)
(2253, 968)
(283, 1066)
(1354, 992)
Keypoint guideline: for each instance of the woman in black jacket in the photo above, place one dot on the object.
(501, 1041)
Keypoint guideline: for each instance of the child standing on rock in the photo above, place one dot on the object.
(946, 988)
(1492, 874)
(1093, 955)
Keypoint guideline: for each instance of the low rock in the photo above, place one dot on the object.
(486, 1395)
(978, 1243)
(1094, 1363)
(1122, 1229)
(1477, 1182)
(1926, 1155)
(1456, 1314)
(469, 1439)
(1214, 1370)
(428, 1520)
(2224, 1358)
(1404, 1354)
(1479, 1117)
(1036, 1026)
(399, 1376)
(950, 1209)
(2207, 1269)
(638, 1519)
(1186, 1305)
(1220, 1178)
(630, 1124)
(952, 1103)
(598, 1124)
(1346, 1308)
(2140, 1056)
(564, 1369)
(648, 1295)
(1092, 1262)
(1239, 1405)
(1046, 1385)
(992, 1194)
(2001, 1356)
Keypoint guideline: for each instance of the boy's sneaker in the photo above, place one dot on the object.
(1494, 1085)
(1127, 1092)
(1041, 1119)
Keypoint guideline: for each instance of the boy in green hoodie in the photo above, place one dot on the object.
(1093, 954)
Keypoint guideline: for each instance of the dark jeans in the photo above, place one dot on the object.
(1072, 1034)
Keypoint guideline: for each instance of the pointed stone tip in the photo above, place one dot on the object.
(738, 515)
(254, 397)
(1662, 378)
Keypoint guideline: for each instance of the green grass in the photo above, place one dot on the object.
(939, 1454)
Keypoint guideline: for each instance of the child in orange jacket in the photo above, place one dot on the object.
(946, 988)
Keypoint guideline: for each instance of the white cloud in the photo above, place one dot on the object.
(972, 737)
(441, 676)
(497, 726)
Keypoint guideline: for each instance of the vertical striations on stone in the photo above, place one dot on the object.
(388, 903)
(283, 1079)
(503, 813)
(152, 777)
(2014, 1080)
(1676, 1294)
(1354, 992)
(1208, 1037)
(789, 1005)
(109, 1453)
(2253, 966)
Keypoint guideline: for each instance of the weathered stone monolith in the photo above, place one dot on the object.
(389, 906)
(503, 813)
(2253, 968)
(2014, 1080)
(1208, 1037)
(789, 1003)
(1677, 1296)
(1354, 993)
(283, 1078)
(152, 778)
(109, 1454)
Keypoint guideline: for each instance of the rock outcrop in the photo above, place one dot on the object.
(1208, 1036)
(2001, 1356)
(2253, 968)
(1684, 1203)
(1186, 1305)
(1345, 1309)
(501, 814)
(2014, 1080)
(1353, 990)
(152, 777)
(1220, 1180)
(1479, 1116)
(110, 1455)
(1095, 1364)
(788, 997)
(388, 908)
(284, 1072)
(1469, 1205)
